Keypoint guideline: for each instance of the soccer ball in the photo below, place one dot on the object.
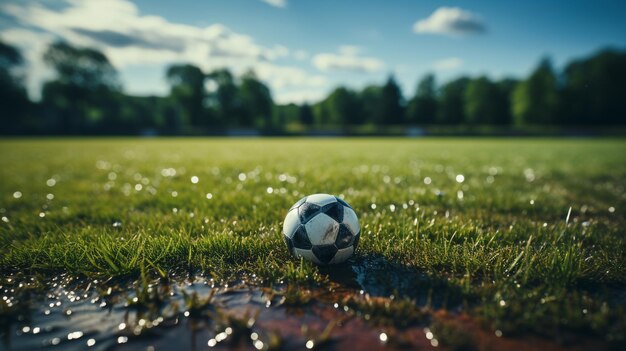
(321, 228)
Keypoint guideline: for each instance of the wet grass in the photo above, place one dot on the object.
(528, 232)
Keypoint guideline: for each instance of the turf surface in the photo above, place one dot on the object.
(529, 232)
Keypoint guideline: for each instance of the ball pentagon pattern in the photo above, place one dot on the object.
(321, 228)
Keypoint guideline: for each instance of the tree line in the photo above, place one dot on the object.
(85, 97)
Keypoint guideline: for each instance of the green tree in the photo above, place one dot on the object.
(594, 89)
(535, 100)
(81, 94)
(226, 98)
(422, 108)
(87, 68)
(392, 103)
(503, 102)
(257, 102)
(452, 102)
(371, 104)
(479, 97)
(305, 115)
(187, 92)
(342, 108)
(13, 97)
(284, 115)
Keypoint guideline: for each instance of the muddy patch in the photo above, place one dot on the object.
(370, 303)
(196, 314)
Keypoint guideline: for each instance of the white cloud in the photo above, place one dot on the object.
(349, 50)
(131, 39)
(285, 76)
(276, 3)
(347, 60)
(278, 51)
(300, 96)
(448, 64)
(300, 55)
(452, 21)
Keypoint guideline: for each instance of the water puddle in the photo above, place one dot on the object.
(79, 315)
(353, 312)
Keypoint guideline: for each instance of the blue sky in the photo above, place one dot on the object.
(303, 49)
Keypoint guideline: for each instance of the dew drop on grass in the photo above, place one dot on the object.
(611, 209)
(5, 219)
(270, 190)
(529, 174)
(122, 339)
(42, 214)
(74, 335)
(383, 337)
(427, 180)
(221, 336)
(91, 342)
(195, 180)
(309, 344)
(117, 224)
(51, 182)
(168, 172)
(460, 178)
(50, 196)
(17, 194)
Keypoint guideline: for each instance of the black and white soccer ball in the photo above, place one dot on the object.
(321, 228)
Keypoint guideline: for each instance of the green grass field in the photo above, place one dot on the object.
(528, 232)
